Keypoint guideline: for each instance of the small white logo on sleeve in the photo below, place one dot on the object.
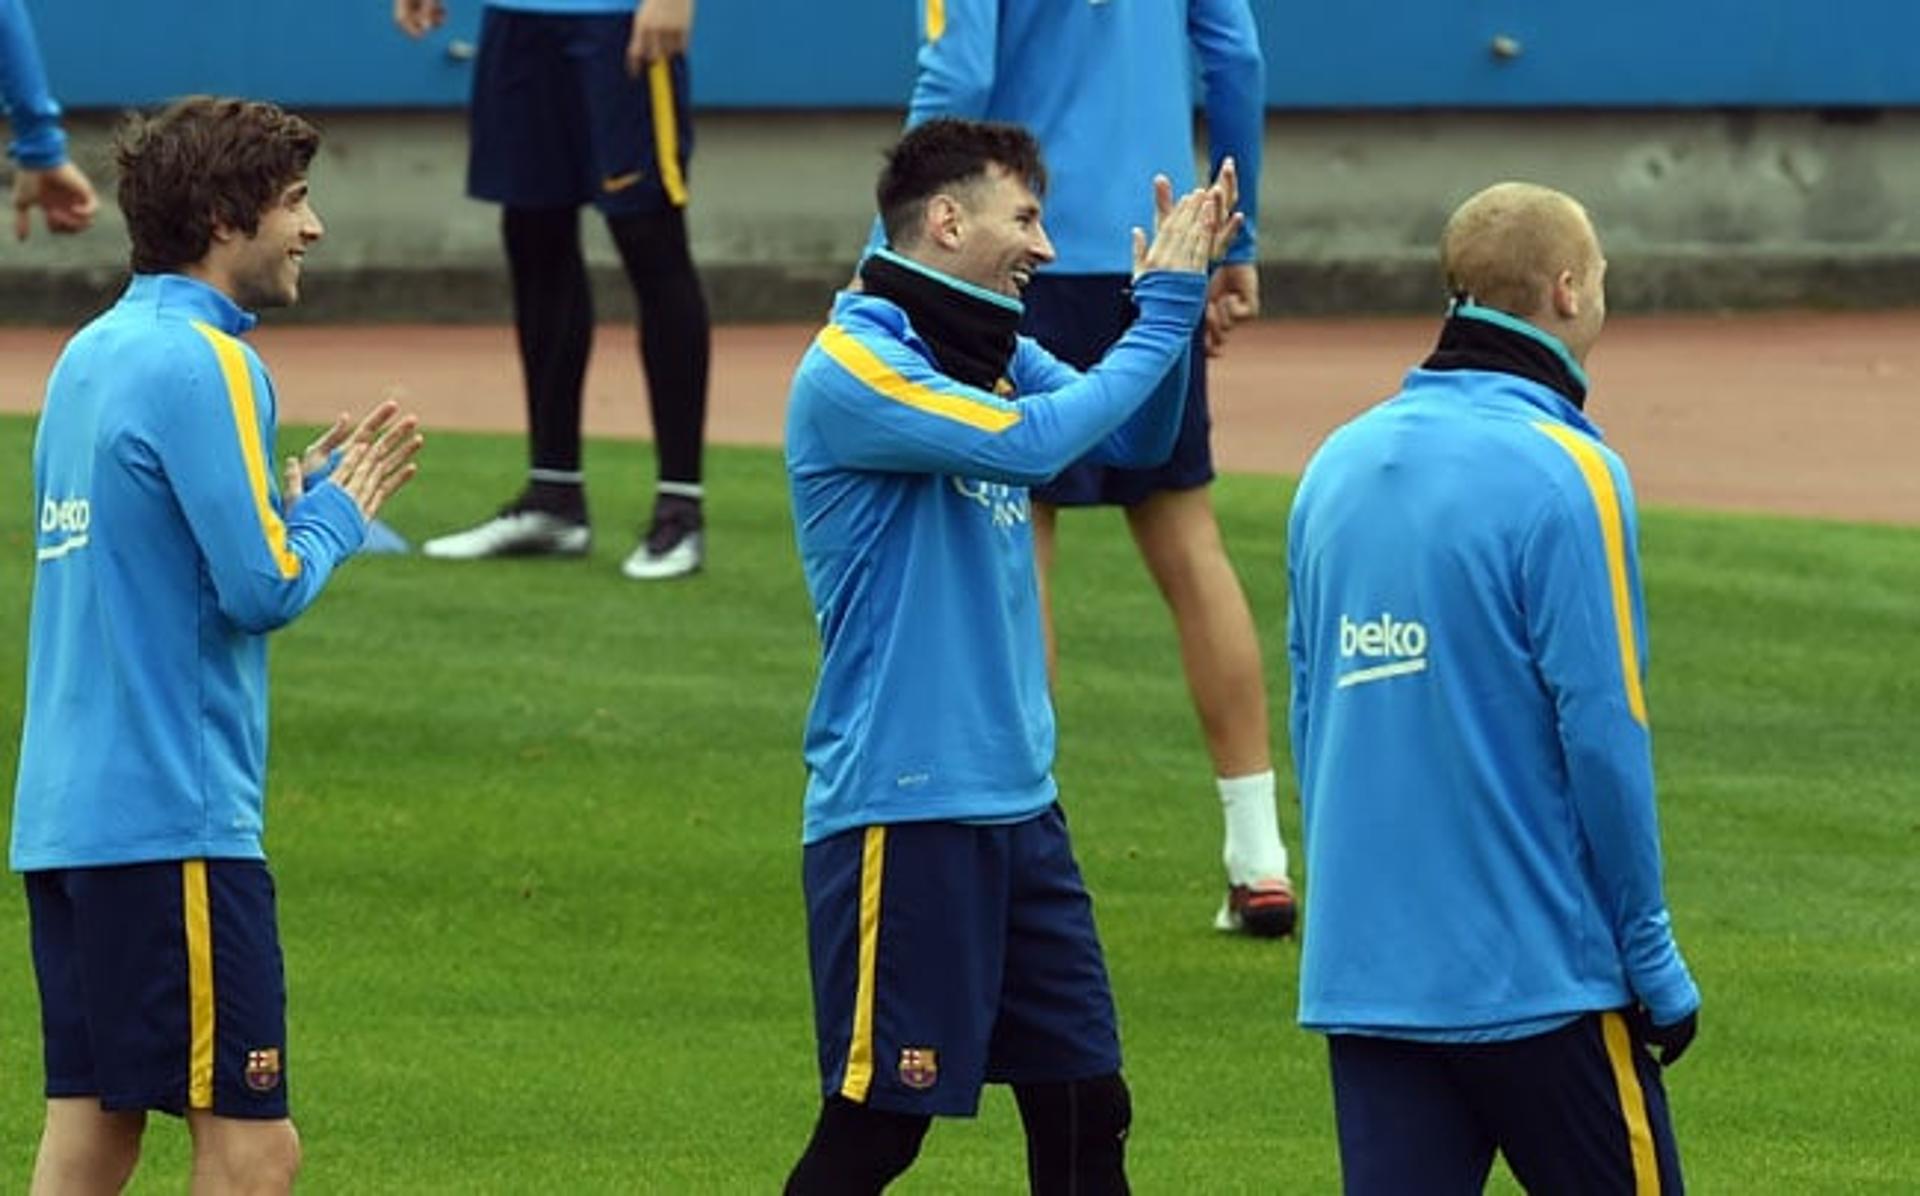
(68, 518)
(1382, 648)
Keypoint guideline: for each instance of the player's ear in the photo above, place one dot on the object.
(945, 220)
(1566, 295)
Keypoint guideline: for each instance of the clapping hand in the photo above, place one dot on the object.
(1189, 233)
(376, 462)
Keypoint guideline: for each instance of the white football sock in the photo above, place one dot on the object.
(1253, 851)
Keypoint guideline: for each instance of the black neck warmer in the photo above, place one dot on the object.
(1468, 343)
(971, 337)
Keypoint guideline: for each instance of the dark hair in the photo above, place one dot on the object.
(944, 152)
(202, 159)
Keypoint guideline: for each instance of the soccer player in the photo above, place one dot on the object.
(578, 102)
(1103, 87)
(952, 939)
(164, 556)
(43, 177)
(1488, 948)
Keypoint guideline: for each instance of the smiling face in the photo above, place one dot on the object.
(263, 269)
(995, 234)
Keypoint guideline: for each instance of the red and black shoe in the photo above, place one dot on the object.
(1265, 909)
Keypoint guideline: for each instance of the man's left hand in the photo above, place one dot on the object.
(1671, 1040)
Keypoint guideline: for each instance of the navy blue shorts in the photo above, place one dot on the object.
(161, 986)
(558, 122)
(1577, 1110)
(948, 955)
(1078, 317)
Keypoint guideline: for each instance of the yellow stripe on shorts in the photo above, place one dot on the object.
(936, 19)
(859, 1077)
(1633, 1104)
(193, 878)
(666, 131)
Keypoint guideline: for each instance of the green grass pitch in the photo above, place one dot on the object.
(535, 829)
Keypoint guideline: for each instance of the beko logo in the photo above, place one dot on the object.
(1399, 646)
(68, 518)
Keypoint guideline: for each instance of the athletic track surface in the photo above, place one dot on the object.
(1793, 413)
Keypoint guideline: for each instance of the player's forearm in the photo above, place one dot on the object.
(1064, 425)
(1610, 774)
(261, 585)
(1148, 436)
(1233, 76)
(38, 141)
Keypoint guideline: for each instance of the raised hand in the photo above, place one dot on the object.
(1233, 295)
(377, 462)
(1226, 189)
(320, 453)
(1184, 231)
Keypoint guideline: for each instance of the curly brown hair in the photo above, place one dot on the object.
(199, 160)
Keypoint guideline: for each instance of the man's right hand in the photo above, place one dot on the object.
(62, 192)
(377, 460)
(1183, 231)
(416, 17)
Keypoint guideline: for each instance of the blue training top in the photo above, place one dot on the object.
(910, 507)
(38, 141)
(1105, 87)
(163, 557)
(1467, 638)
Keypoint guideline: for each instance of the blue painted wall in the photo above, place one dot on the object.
(1321, 54)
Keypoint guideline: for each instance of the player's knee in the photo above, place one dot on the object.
(254, 1157)
(1076, 1135)
(652, 245)
(856, 1150)
(84, 1149)
(1106, 1110)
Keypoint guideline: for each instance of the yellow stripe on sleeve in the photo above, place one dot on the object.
(666, 131)
(859, 1077)
(936, 19)
(865, 365)
(1633, 1105)
(246, 422)
(1606, 503)
(193, 879)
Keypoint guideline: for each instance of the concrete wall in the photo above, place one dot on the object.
(1697, 210)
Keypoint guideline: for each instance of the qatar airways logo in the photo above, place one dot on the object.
(1381, 648)
(1005, 505)
(68, 518)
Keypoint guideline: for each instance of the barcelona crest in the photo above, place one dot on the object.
(919, 1066)
(263, 1069)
